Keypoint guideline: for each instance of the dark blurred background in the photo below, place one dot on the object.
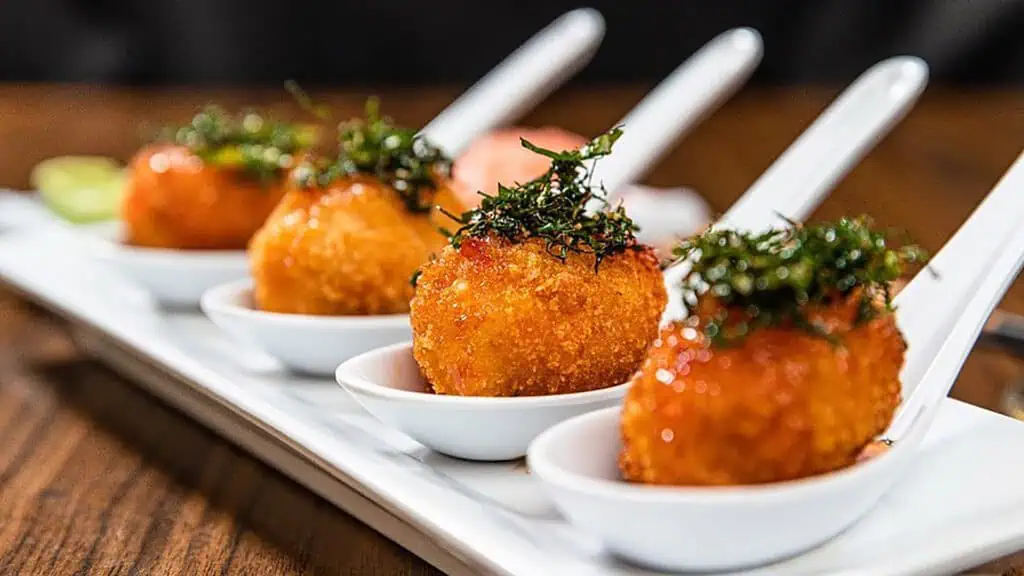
(398, 42)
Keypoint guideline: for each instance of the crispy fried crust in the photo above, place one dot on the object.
(173, 200)
(501, 319)
(784, 404)
(346, 250)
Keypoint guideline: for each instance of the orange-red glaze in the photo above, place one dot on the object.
(783, 404)
(349, 249)
(500, 157)
(500, 319)
(174, 200)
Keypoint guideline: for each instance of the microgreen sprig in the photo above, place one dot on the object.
(770, 278)
(255, 146)
(552, 207)
(399, 157)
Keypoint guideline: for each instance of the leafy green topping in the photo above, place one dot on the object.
(553, 208)
(399, 157)
(770, 278)
(257, 147)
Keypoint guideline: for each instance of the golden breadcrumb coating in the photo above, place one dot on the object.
(782, 404)
(495, 318)
(346, 250)
(174, 200)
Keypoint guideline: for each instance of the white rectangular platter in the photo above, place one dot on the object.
(961, 505)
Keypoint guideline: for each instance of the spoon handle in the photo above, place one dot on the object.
(947, 314)
(931, 304)
(529, 74)
(801, 178)
(697, 87)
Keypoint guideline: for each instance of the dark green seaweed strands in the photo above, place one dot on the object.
(552, 207)
(257, 147)
(768, 279)
(399, 157)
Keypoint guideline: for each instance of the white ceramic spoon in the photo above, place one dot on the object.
(728, 528)
(677, 104)
(980, 247)
(796, 183)
(523, 79)
(318, 344)
(870, 108)
(688, 95)
(692, 92)
(179, 277)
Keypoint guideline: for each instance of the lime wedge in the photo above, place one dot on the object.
(81, 189)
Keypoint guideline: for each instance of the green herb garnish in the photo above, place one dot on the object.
(399, 157)
(553, 208)
(257, 147)
(769, 279)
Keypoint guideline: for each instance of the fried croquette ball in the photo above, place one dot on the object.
(350, 249)
(493, 318)
(780, 405)
(500, 157)
(175, 200)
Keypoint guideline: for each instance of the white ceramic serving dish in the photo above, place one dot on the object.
(482, 429)
(958, 505)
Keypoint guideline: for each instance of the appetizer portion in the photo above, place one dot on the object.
(787, 367)
(501, 157)
(210, 184)
(534, 295)
(349, 233)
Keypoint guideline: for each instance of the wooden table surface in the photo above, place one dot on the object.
(97, 477)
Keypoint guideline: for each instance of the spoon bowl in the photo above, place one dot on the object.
(175, 278)
(387, 382)
(306, 344)
(697, 529)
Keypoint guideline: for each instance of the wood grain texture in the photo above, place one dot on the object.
(97, 477)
